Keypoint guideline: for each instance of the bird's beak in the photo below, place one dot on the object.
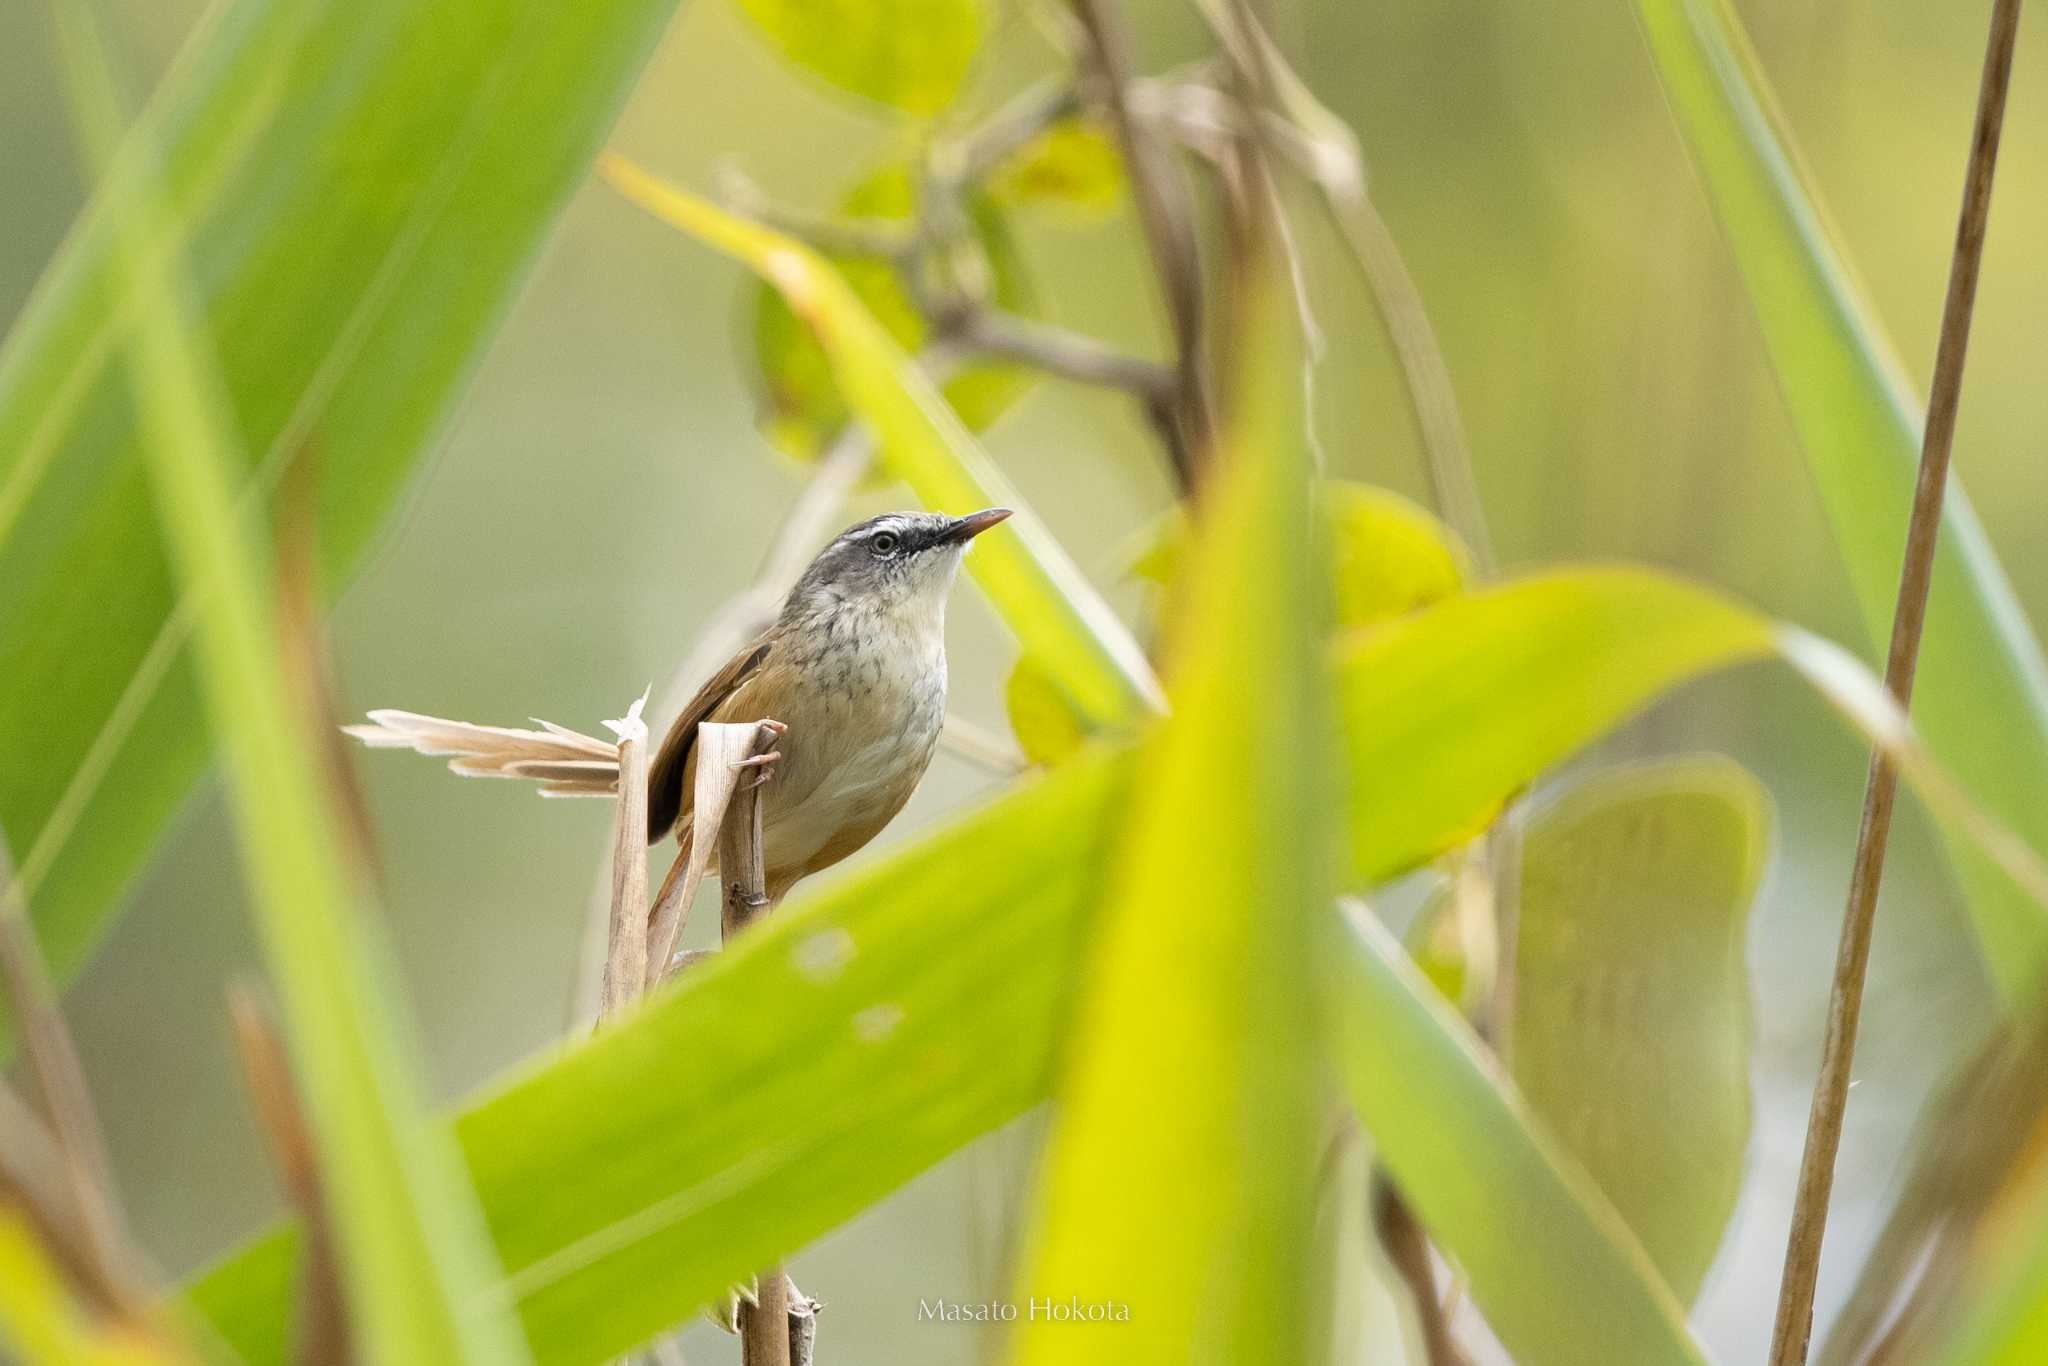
(972, 525)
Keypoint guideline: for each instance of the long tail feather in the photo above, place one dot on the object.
(566, 763)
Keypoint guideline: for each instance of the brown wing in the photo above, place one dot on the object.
(666, 799)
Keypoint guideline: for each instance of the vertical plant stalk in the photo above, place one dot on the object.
(99, 1251)
(320, 1332)
(1407, 1248)
(764, 1324)
(625, 960)
(1168, 223)
(1794, 1324)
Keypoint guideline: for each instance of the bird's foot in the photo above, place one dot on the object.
(765, 762)
(725, 1310)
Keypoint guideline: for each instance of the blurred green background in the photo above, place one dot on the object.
(603, 489)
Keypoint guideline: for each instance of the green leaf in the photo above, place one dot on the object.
(1387, 556)
(619, 1200)
(1982, 692)
(1559, 1276)
(1632, 1009)
(1029, 577)
(1507, 672)
(802, 408)
(908, 54)
(359, 189)
(1193, 1027)
(914, 1010)
(1073, 166)
(410, 1236)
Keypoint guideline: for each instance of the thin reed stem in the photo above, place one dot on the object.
(1794, 1325)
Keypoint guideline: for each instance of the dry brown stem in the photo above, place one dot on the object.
(321, 1337)
(1794, 1325)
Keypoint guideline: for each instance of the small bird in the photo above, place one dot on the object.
(853, 672)
(855, 668)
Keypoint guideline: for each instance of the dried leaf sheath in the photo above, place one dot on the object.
(564, 762)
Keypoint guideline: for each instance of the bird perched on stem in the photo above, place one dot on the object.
(852, 676)
(855, 669)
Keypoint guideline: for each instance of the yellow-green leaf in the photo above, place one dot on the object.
(1982, 691)
(1072, 166)
(908, 54)
(1178, 1181)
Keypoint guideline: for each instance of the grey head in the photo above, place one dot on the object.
(900, 563)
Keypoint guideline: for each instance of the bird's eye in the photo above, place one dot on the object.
(883, 543)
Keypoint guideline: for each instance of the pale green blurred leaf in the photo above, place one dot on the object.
(802, 408)
(619, 1200)
(1982, 692)
(359, 189)
(1029, 577)
(1632, 1009)
(908, 54)
(1178, 1180)
(407, 1228)
(1073, 166)
(1559, 1277)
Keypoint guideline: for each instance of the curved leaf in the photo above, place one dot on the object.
(1982, 691)
(1632, 1008)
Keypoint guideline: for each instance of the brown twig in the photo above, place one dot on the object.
(764, 1323)
(35, 1180)
(322, 1335)
(1058, 351)
(1407, 1250)
(1167, 219)
(66, 1104)
(1794, 1324)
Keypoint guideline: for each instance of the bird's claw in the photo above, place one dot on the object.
(725, 1310)
(765, 762)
